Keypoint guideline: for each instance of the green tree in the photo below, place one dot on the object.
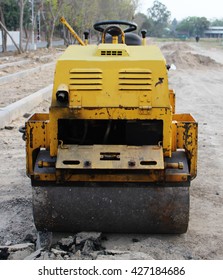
(13, 18)
(193, 26)
(50, 12)
(173, 26)
(82, 16)
(4, 34)
(158, 19)
(11, 14)
(201, 25)
(117, 9)
(217, 22)
(142, 21)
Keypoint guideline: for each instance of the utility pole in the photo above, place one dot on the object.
(38, 26)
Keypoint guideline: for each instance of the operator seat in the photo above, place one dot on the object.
(131, 39)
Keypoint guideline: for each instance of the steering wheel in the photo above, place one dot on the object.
(131, 26)
(114, 30)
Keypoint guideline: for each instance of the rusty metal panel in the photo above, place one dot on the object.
(37, 136)
(187, 134)
(172, 100)
(110, 157)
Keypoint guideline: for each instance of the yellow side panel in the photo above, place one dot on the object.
(186, 138)
(37, 136)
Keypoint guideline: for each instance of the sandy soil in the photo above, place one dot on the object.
(198, 82)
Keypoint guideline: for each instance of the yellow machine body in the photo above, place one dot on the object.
(111, 121)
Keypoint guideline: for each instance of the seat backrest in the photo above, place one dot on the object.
(131, 39)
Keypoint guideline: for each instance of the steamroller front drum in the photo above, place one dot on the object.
(105, 207)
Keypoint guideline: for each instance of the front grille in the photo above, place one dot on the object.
(119, 53)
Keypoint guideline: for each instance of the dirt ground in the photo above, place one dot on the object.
(198, 83)
(19, 88)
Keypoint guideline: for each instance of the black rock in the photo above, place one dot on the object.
(4, 253)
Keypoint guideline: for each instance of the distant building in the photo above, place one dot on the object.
(214, 32)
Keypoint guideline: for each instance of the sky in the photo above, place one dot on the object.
(184, 8)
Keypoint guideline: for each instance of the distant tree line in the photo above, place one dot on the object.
(158, 23)
(82, 14)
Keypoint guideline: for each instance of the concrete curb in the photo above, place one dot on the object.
(15, 63)
(24, 73)
(19, 108)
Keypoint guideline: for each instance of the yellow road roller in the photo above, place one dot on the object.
(111, 155)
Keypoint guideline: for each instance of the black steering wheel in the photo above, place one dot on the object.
(131, 26)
